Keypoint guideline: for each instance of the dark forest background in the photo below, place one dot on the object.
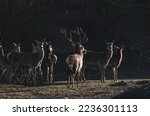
(125, 21)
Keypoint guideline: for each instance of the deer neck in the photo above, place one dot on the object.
(8, 55)
(50, 53)
(1, 53)
(121, 55)
(109, 54)
(41, 53)
(81, 54)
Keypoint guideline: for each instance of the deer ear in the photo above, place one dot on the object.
(45, 43)
(14, 44)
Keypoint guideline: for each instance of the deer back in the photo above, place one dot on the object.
(52, 58)
(27, 58)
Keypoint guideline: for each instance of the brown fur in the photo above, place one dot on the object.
(74, 65)
(100, 59)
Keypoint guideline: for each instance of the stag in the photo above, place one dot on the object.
(101, 59)
(74, 62)
(116, 60)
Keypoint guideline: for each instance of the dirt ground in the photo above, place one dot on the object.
(91, 89)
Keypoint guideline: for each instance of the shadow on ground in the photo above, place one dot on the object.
(138, 92)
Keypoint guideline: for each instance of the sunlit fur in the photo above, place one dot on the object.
(74, 64)
(116, 60)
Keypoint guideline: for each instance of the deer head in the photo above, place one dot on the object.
(110, 45)
(16, 47)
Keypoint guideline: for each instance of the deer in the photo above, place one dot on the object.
(4, 62)
(74, 62)
(24, 72)
(101, 59)
(116, 61)
(50, 60)
(32, 60)
(15, 48)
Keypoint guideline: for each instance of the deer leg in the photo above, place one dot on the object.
(116, 76)
(68, 80)
(25, 75)
(48, 80)
(84, 79)
(72, 78)
(30, 73)
(9, 75)
(51, 74)
(114, 73)
(68, 76)
(13, 78)
(104, 78)
(101, 70)
(82, 76)
(78, 77)
(34, 77)
(3, 72)
(41, 74)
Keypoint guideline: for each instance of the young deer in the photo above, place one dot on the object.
(100, 59)
(32, 60)
(116, 60)
(49, 61)
(4, 62)
(74, 62)
(52, 59)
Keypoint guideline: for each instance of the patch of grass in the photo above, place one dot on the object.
(121, 83)
(142, 82)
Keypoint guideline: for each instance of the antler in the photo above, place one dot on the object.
(64, 31)
(83, 38)
(78, 31)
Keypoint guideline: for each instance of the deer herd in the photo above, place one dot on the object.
(36, 67)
